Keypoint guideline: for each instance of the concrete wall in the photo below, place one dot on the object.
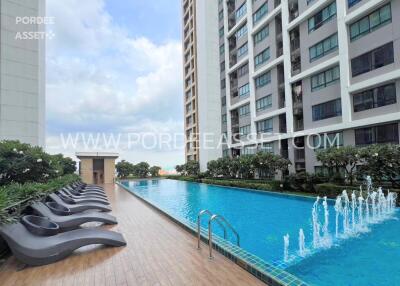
(109, 171)
(86, 170)
(22, 75)
(208, 77)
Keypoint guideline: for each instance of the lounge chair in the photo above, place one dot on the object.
(66, 198)
(87, 186)
(84, 191)
(88, 193)
(83, 196)
(76, 208)
(37, 250)
(72, 221)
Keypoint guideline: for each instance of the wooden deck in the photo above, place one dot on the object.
(159, 252)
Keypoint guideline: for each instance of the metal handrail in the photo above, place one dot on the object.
(217, 218)
(199, 225)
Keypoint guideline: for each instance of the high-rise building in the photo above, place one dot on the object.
(201, 80)
(305, 73)
(22, 71)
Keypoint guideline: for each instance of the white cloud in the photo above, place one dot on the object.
(101, 80)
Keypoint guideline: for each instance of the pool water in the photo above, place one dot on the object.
(263, 218)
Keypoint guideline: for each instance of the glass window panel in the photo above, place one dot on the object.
(374, 19)
(364, 25)
(385, 13)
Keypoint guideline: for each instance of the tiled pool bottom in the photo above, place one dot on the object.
(270, 274)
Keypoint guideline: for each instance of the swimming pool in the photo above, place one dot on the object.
(263, 218)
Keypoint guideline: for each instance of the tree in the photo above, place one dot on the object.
(246, 166)
(344, 158)
(22, 163)
(124, 169)
(63, 165)
(141, 169)
(180, 169)
(192, 168)
(155, 171)
(381, 162)
(267, 164)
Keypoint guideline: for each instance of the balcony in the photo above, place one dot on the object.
(293, 10)
(295, 45)
(298, 124)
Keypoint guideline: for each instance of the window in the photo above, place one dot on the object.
(244, 110)
(264, 103)
(321, 17)
(244, 90)
(261, 35)
(262, 57)
(372, 60)
(324, 141)
(221, 15)
(243, 70)
(241, 32)
(260, 13)
(222, 66)
(222, 49)
(249, 150)
(324, 47)
(221, 32)
(223, 101)
(376, 97)
(325, 78)
(242, 50)
(329, 172)
(388, 133)
(241, 11)
(223, 83)
(224, 119)
(326, 110)
(265, 126)
(267, 147)
(351, 3)
(263, 79)
(371, 22)
(244, 130)
(225, 153)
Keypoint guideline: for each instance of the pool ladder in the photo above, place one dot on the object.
(221, 221)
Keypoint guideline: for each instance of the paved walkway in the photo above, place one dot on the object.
(159, 252)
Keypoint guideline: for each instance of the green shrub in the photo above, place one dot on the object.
(14, 194)
(329, 190)
(22, 163)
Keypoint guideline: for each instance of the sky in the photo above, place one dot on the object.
(114, 79)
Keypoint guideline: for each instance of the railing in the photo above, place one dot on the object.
(221, 221)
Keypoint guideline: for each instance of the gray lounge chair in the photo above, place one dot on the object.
(86, 192)
(76, 192)
(72, 221)
(77, 208)
(83, 196)
(36, 250)
(66, 198)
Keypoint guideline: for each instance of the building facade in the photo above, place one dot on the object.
(22, 73)
(97, 167)
(301, 74)
(202, 103)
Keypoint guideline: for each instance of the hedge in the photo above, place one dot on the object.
(23, 194)
(239, 183)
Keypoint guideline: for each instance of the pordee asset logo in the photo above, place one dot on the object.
(34, 22)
